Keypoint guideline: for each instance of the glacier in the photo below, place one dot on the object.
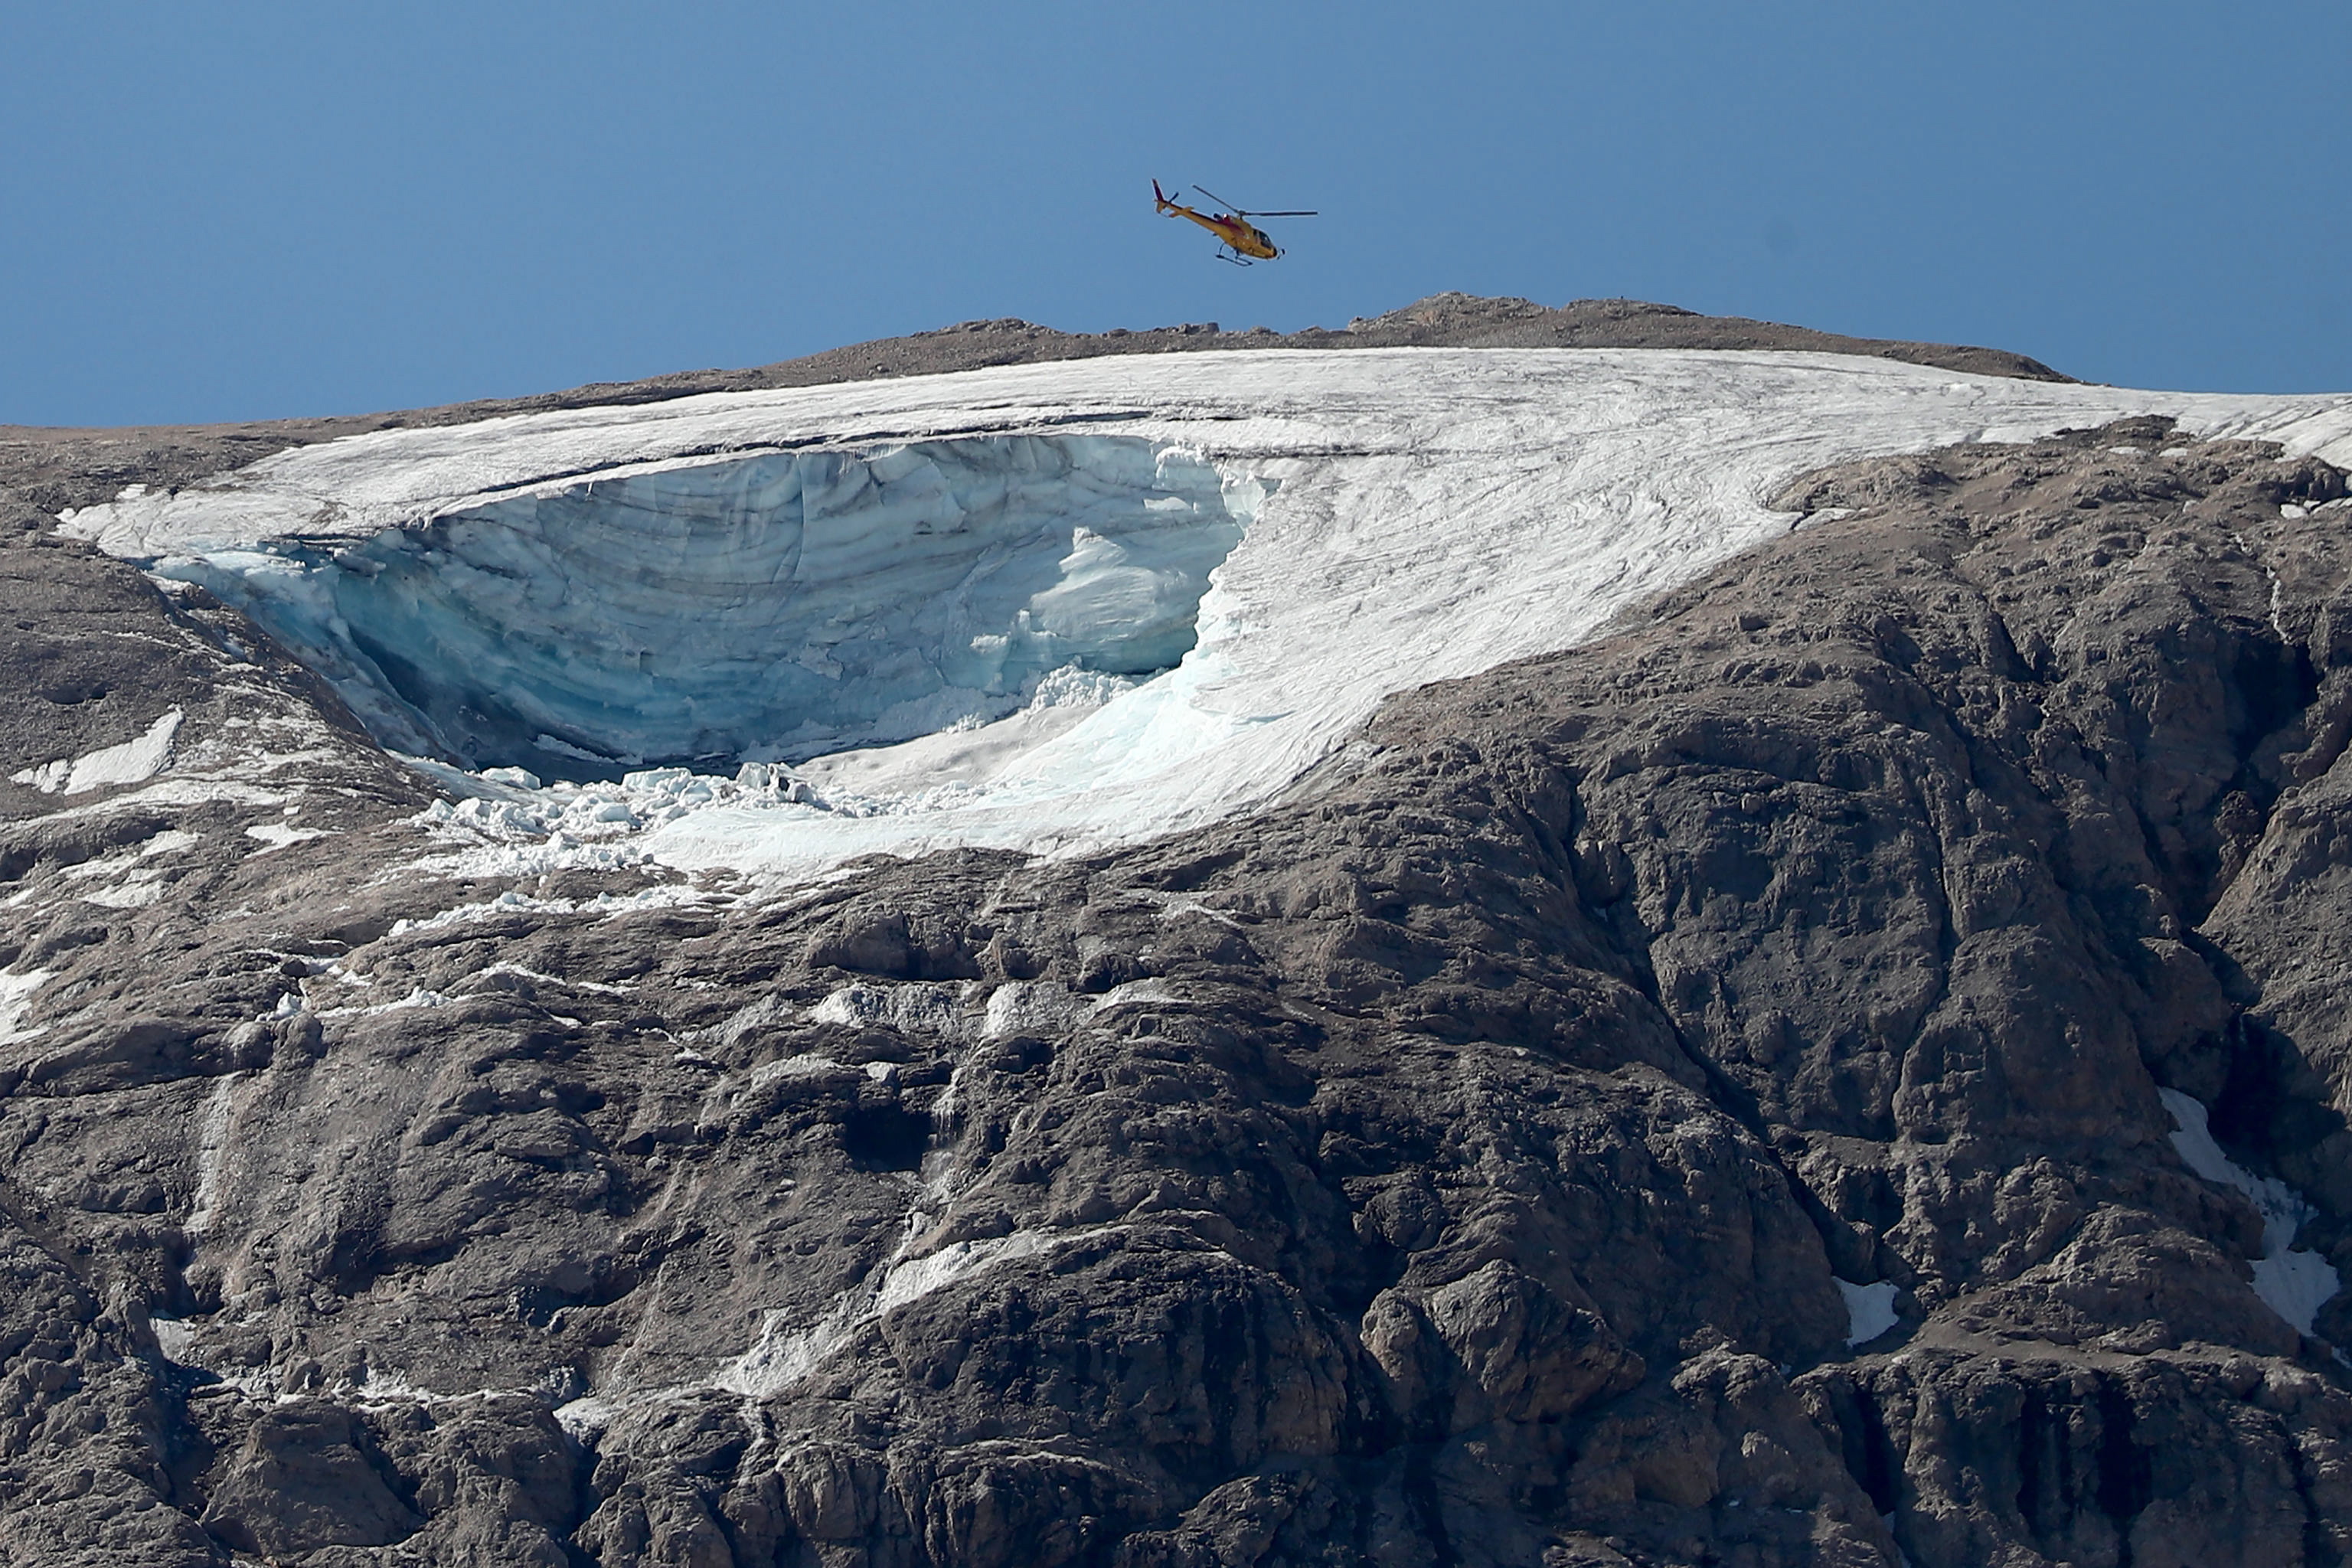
(781, 606)
(1049, 608)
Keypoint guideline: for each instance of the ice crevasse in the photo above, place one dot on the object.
(1047, 607)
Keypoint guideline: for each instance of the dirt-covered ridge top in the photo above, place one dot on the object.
(50, 468)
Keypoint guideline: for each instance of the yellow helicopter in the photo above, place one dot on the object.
(1243, 240)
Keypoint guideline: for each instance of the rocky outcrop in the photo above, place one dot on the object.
(1490, 1155)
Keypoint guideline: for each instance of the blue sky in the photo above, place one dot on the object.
(252, 210)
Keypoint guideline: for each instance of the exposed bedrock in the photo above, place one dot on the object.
(1485, 1156)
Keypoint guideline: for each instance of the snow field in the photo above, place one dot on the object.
(609, 576)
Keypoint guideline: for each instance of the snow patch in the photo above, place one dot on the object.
(141, 889)
(276, 836)
(2293, 1282)
(604, 906)
(15, 999)
(134, 884)
(174, 1338)
(782, 1354)
(1138, 993)
(950, 1011)
(1869, 1311)
(172, 791)
(418, 996)
(594, 987)
(132, 762)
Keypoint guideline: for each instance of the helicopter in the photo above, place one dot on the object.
(1243, 240)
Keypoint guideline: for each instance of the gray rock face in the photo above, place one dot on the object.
(1472, 1160)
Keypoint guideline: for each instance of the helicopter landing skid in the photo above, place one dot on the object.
(1236, 261)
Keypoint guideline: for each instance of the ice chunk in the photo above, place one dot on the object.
(585, 1419)
(174, 1337)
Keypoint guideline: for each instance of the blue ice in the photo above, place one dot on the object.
(773, 607)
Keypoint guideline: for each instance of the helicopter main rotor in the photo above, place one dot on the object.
(1245, 212)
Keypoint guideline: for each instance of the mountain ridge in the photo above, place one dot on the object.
(179, 453)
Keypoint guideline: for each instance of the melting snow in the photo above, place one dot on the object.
(782, 1354)
(132, 762)
(2294, 1283)
(274, 836)
(1137, 993)
(1869, 1311)
(16, 998)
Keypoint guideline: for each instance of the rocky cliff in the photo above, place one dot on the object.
(1847, 1067)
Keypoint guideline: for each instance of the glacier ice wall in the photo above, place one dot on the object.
(777, 607)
